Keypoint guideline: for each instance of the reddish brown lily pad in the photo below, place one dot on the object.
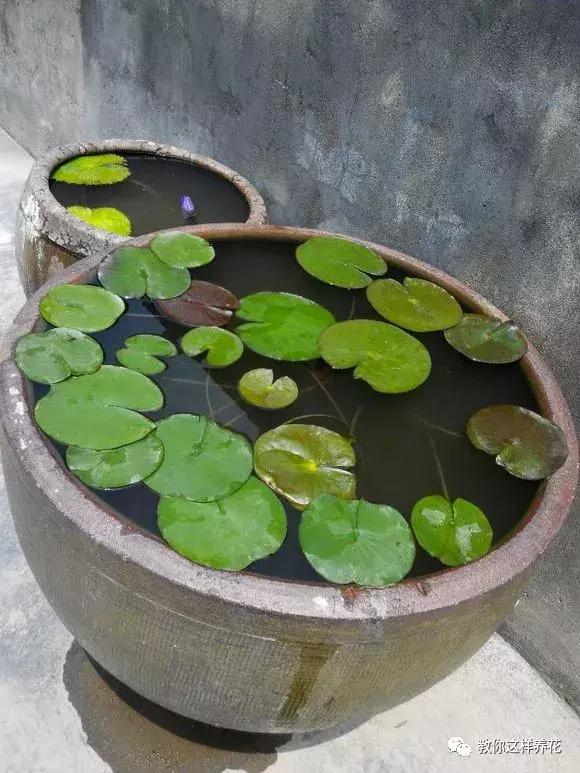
(203, 303)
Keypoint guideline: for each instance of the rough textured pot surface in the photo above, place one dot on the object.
(49, 239)
(240, 650)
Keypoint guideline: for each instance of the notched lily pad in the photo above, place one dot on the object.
(141, 353)
(228, 534)
(282, 326)
(339, 262)
(223, 348)
(182, 250)
(485, 339)
(117, 467)
(57, 354)
(203, 303)
(525, 443)
(301, 461)
(133, 272)
(356, 542)
(107, 218)
(455, 532)
(83, 307)
(102, 169)
(258, 388)
(416, 305)
(383, 355)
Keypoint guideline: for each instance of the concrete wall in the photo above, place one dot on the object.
(450, 130)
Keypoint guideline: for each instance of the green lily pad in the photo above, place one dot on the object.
(416, 304)
(57, 354)
(301, 461)
(383, 355)
(182, 250)
(133, 272)
(98, 410)
(282, 326)
(229, 534)
(455, 533)
(117, 467)
(82, 307)
(106, 218)
(141, 353)
(485, 339)
(223, 348)
(258, 388)
(525, 443)
(339, 262)
(103, 169)
(203, 461)
(356, 542)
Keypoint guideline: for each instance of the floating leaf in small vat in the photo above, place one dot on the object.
(454, 532)
(258, 388)
(106, 218)
(485, 339)
(416, 305)
(141, 353)
(203, 303)
(282, 326)
(98, 411)
(301, 461)
(182, 250)
(340, 262)
(203, 461)
(133, 272)
(228, 534)
(525, 443)
(223, 348)
(57, 354)
(383, 355)
(116, 467)
(356, 542)
(82, 307)
(103, 169)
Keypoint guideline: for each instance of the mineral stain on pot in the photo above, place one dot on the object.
(312, 659)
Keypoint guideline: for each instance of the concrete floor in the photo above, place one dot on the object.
(61, 714)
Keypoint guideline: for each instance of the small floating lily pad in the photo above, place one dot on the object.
(223, 347)
(57, 354)
(301, 461)
(82, 307)
(106, 218)
(133, 272)
(203, 461)
(339, 262)
(485, 339)
(416, 305)
(98, 411)
(182, 250)
(203, 303)
(102, 169)
(525, 443)
(117, 467)
(383, 355)
(454, 532)
(356, 542)
(141, 353)
(258, 388)
(282, 326)
(229, 534)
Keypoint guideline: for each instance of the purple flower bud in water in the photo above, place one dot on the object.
(187, 206)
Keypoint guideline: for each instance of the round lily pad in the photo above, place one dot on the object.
(133, 272)
(99, 410)
(282, 326)
(57, 354)
(229, 534)
(339, 262)
(203, 461)
(301, 461)
(182, 250)
(525, 443)
(416, 304)
(223, 348)
(203, 303)
(107, 218)
(116, 467)
(455, 533)
(383, 355)
(485, 339)
(102, 169)
(356, 542)
(258, 388)
(141, 353)
(82, 307)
